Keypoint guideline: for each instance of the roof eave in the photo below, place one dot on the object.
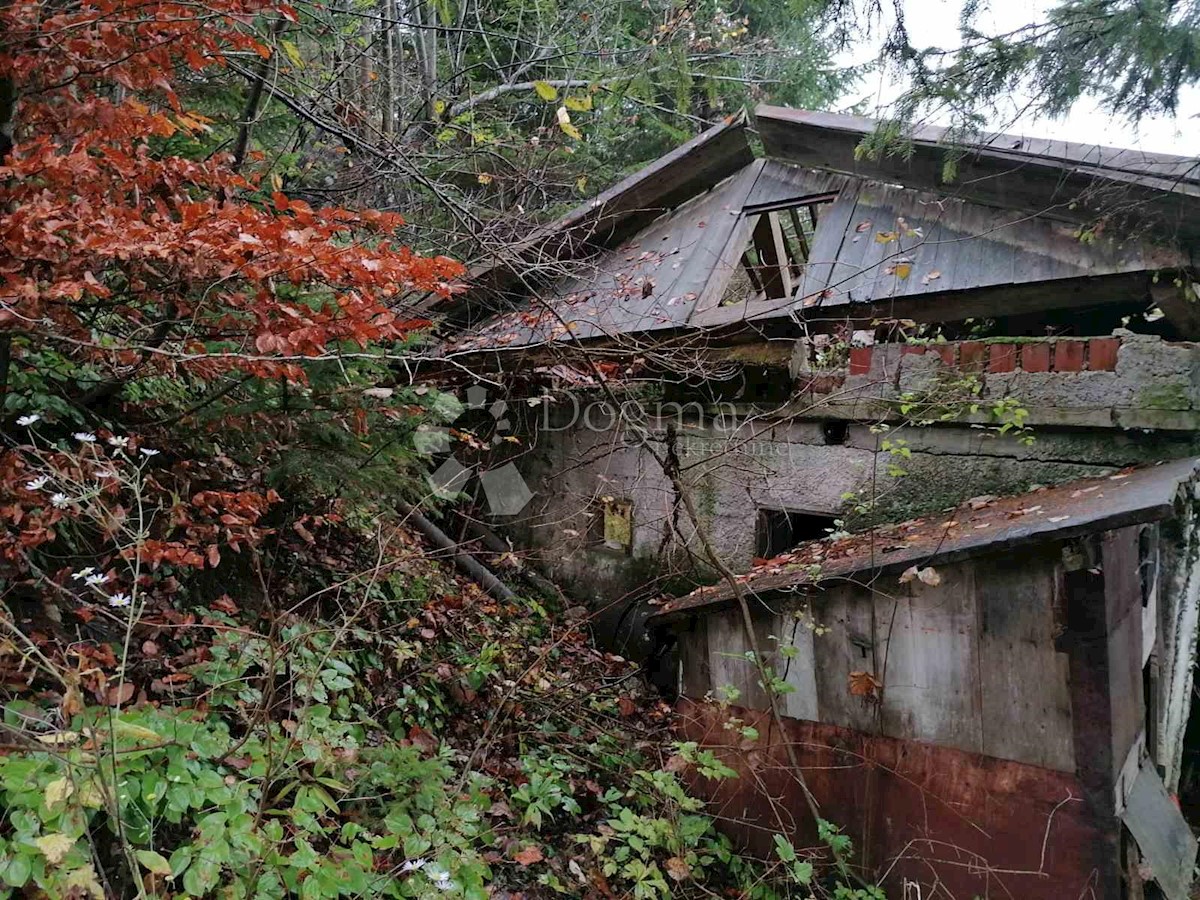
(1059, 183)
(1158, 504)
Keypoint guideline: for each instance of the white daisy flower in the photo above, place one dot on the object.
(119, 442)
(38, 483)
(119, 599)
(413, 865)
(83, 573)
(444, 884)
(146, 451)
(96, 580)
(105, 473)
(85, 436)
(60, 501)
(26, 421)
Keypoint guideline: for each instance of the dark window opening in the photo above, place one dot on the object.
(780, 247)
(1148, 563)
(749, 384)
(779, 530)
(835, 431)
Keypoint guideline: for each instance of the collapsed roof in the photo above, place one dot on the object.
(981, 525)
(710, 237)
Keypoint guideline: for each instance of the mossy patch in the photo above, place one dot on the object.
(1165, 396)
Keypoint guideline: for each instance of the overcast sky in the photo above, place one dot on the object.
(935, 23)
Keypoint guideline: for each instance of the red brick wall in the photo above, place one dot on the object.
(1098, 354)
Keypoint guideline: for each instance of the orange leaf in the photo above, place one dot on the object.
(529, 856)
(124, 695)
(864, 684)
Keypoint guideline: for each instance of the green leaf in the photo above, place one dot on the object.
(546, 91)
(784, 848)
(154, 862)
(579, 104)
(802, 872)
(18, 870)
(293, 53)
(201, 877)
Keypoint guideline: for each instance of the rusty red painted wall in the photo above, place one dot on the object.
(961, 824)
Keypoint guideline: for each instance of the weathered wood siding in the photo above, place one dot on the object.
(1023, 680)
(1123, 612)
(970, 663)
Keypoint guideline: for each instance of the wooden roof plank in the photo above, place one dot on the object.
(827, 242)
(781, 183)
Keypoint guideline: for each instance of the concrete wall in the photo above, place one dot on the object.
(736, 464)
(1126, 381)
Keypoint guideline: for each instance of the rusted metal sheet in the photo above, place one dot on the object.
(1068, 510)
(958, 824)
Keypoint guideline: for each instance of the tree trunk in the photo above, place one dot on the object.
(427, 39)
(387, 42)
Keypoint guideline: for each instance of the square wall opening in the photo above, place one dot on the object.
(779, 530)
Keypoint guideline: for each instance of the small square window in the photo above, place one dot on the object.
(780, 530)
(778, 249)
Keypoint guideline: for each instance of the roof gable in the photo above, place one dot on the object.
(661, 249)
(608, 218)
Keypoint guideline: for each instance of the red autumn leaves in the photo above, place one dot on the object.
(128, 257)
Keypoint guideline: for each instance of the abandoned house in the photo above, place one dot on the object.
(719, 367)
(1012, 732)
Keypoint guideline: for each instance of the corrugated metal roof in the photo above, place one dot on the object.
(1071, 181)
(609, 217)
(981, 525)
(875, 242)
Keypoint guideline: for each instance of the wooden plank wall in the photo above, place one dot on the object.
(1024, 685)
(970, 663)
(1123, 602)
